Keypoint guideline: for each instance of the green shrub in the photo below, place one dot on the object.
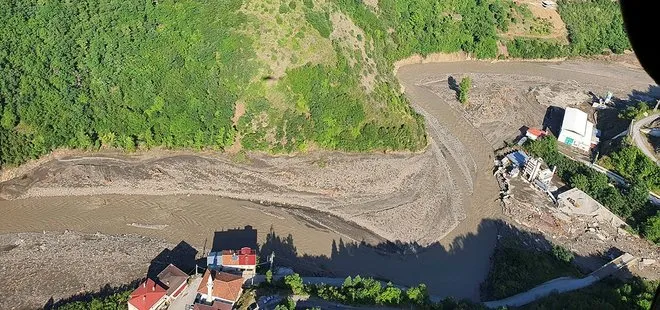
(634, 112)
(464, 89)
(294, 282)
(535, 48)
(562, 254)
(320, 21)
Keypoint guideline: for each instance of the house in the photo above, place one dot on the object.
(242, 262)
(174, 280)
(148, 296)
(577, 131)
(219, 287)
(534, 133)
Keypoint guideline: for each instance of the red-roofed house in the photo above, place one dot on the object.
(148, 296)
(220, 287)
(243, 261)
(534, 133)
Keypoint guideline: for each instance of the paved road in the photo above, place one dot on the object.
(563, 284)
(639, 139)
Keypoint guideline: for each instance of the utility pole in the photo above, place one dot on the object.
(657, 103)
(271, 258)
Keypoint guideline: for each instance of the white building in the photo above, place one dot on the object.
(577, 131)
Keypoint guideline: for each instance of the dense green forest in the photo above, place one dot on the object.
(91, 74)
(631, 203)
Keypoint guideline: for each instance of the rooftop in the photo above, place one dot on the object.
(172, 277)
(225, 285)
(576, 121)
(146, 295)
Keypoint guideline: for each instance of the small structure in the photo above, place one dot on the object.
(174, 280)
(534, 133)
(148, 296)
(548, 4)
(545, 176)
(577, 131)
(218, 288)
(532, 168)
(242, 262)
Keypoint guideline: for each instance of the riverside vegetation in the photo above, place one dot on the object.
(276, 76)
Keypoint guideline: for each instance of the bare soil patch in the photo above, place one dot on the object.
(531, 210)
(35, 267)
(508, 95)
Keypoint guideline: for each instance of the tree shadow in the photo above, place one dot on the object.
(453, 85)
(650, 95)
(457, 269)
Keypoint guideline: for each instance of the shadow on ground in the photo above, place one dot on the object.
(458, 269)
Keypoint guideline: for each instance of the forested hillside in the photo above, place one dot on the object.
(277, 76)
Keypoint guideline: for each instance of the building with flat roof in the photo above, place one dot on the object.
(577, 131)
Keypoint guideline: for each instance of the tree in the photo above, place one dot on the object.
(295, 283)
(635, 111)
(390, 295)
(652, 228)
(580, 181)
(418, 295)
(464, 89)
(269, 276)
(561, 253)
